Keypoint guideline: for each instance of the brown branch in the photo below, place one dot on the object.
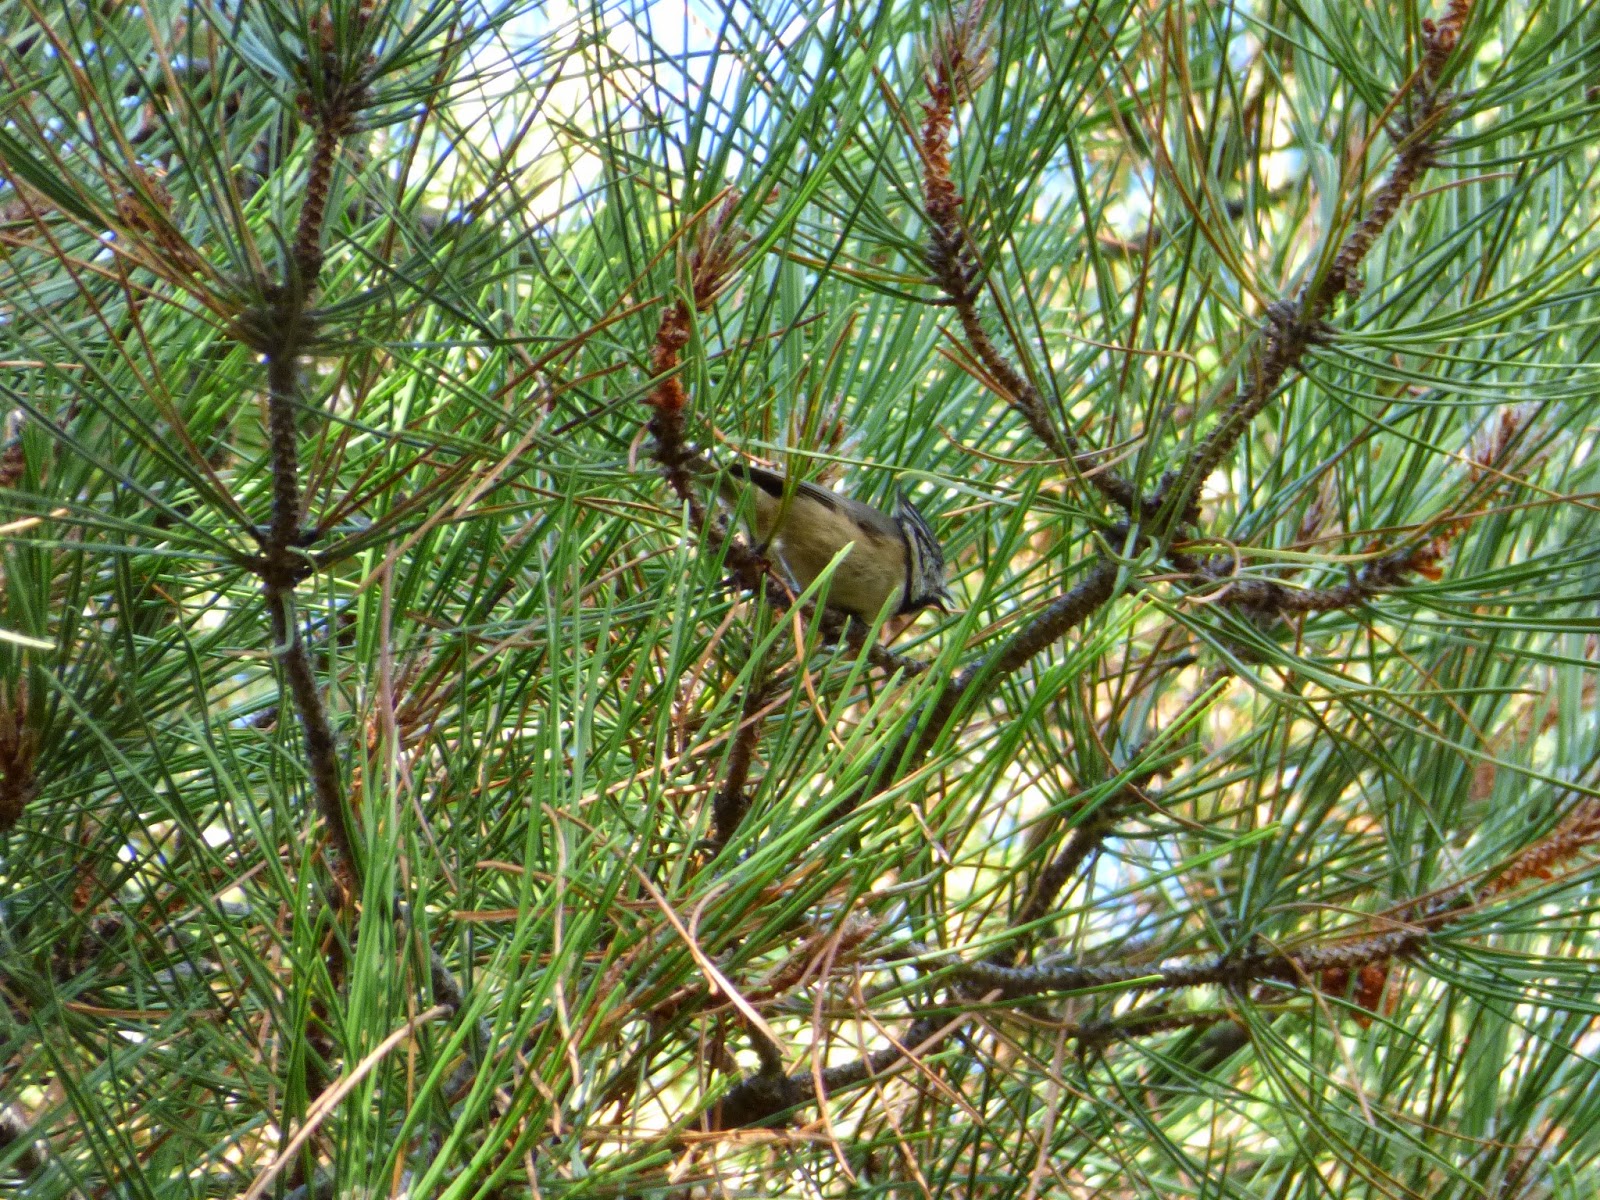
(447, 991)
(1014, 983)
(331, 103)
(759, 1100)
(953, 260)
(669, 399)
(1062, 615)
(281, 330)
(836, 625)
(1085, 840)
(731, 804)
(1291, 328)
(1267, 596)
(19, 749)
(306, 253)
(321, 747)
(711, 264)
(764, 1099)
(282, 565)
(985, 981)
(1579, 831)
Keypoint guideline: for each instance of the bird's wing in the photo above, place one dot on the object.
(773, 485)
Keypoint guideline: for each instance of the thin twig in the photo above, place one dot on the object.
(282, 330)
(711, 263)
(954, 262)
(728, 809)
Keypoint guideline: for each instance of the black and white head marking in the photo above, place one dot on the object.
(924, 559)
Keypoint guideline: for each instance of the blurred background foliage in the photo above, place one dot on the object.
(537, 677)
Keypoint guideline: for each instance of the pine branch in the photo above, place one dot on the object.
(729, 807)
(1291, 328)
(956, 66)
(711, 264)
(1266, 596)
(763, 1100)
(285, 328)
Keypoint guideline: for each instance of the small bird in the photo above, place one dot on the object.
(895, 559)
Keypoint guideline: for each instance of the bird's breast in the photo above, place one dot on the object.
(873, 571)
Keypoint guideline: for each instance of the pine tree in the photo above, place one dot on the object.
(415, 781)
